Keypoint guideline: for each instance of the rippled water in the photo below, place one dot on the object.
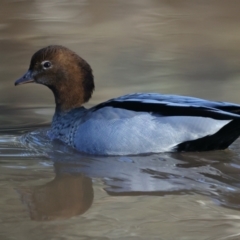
(49, 191)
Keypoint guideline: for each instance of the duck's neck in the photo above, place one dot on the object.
(67, 99)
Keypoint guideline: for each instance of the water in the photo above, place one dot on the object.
(49, 191)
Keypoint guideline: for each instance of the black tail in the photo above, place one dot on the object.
(218, 141)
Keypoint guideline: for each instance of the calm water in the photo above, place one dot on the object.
(49, 191)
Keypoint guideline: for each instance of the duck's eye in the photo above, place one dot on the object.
(46, 64)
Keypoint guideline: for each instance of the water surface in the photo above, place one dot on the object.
(50, 191)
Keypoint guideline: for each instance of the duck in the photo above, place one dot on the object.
(137, 123)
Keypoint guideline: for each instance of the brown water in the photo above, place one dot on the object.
(49, 191)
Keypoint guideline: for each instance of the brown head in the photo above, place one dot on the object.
(68, 76)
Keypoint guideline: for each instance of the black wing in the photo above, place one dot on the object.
(220, 112)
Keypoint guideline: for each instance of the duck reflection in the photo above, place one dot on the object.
(214, 174)
(63, 197)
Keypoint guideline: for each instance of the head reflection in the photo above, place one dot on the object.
(63, 197)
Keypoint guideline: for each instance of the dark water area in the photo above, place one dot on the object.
(49, 191)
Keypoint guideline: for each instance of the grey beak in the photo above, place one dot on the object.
(26, 78)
